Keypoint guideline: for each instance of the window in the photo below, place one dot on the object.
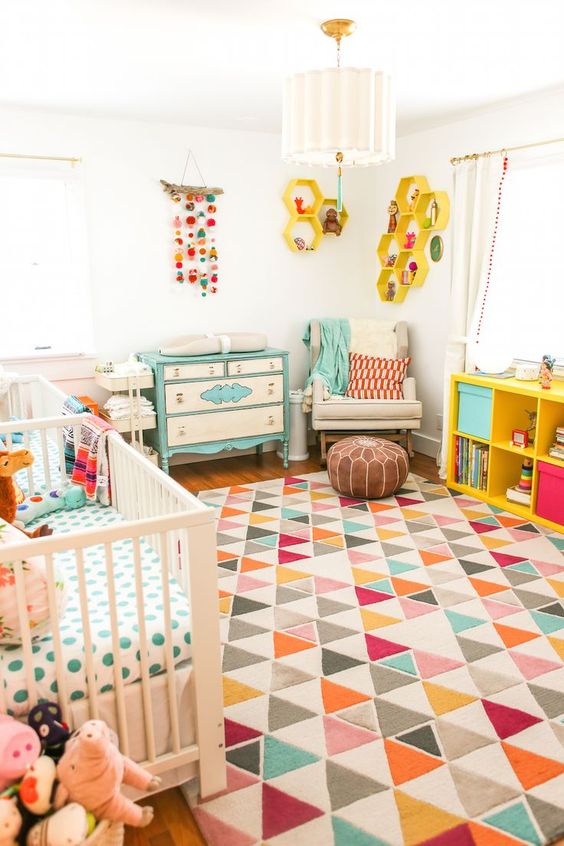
(524, 305)
(43, 261)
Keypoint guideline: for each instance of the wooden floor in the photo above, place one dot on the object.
(173, 824)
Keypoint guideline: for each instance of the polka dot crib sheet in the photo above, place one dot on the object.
(16, 694)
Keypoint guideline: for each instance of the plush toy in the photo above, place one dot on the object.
(331, 222)
(68, 827)
(10, 820)
(47, 722)
(390, 292)
(409, 240)
(10, 463)
(17, 437)
(19, 747)
(61, 499)
(91, 772)
(393, 216)
(299, 201)
(36, 789)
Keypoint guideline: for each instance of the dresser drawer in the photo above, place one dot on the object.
(254, 365)
(223, 393)
(222, 426)
(172, 372)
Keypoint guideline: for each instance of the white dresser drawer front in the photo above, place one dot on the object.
(173, 372)
(223, 393)
(254, 365)
(225, 426)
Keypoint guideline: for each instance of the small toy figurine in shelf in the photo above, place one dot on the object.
(405, 277)
(412, 267)
(308, 210)
(409, 240)
(300, 243)
(391, 260)
(393, 220)
(391, 291)
(545, 374)
(413, 199)
(331, 222)
(299, 201)
(434, 212)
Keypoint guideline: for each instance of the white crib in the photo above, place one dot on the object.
(171, 720)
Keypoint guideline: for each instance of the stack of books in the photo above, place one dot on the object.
(557, 448)
(471, 463)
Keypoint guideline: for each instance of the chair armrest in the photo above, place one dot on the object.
(409, 388)
(318, 389)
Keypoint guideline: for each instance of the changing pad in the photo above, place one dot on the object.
(227, 342)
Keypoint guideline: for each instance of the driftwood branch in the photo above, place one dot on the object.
(170, 188)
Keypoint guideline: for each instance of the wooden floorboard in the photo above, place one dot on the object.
(174, 824)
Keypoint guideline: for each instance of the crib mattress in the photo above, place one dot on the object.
(16, 694)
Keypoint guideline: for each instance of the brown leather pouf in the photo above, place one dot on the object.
(371, 468)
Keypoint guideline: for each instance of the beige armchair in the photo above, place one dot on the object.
(335, 417)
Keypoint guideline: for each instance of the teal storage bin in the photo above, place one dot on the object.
(474, 410)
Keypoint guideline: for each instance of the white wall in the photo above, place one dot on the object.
(263, 285)
(428, 153)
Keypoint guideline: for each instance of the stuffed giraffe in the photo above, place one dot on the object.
(10, 463)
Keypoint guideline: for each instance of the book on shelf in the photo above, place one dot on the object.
(471, 463)
(514, 494)
(556, 451)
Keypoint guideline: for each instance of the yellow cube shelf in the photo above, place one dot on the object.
(414, 199)
(509, 403)
(311, 217)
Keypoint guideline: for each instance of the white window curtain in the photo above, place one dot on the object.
(476, 185)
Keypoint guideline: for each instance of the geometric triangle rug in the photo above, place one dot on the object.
(393, 670)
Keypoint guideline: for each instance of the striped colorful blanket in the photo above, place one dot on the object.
(72, 405)
(91, 466)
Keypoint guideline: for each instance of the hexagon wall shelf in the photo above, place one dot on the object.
(421, 212)
(311, 216)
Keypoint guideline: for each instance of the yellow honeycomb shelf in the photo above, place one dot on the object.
(415, 201)
(311, 218)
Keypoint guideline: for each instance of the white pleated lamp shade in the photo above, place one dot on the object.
(347, 110)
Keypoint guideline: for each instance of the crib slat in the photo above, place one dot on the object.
(45, 455)
(61, 449)
(30, 479)
(23, 619)
(88, 651)
(60, 669)
(145, 676)
(169, 655)
(116, 652)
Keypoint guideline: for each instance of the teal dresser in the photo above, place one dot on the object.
(209, 403)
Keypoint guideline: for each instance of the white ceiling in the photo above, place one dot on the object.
(221, 62)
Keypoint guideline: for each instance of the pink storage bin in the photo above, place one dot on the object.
(550, 499)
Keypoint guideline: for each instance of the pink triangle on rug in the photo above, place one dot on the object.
(237, 733)
(481, 528)
(324, 585)
(378, 648)
(307, 631)
(218, 833)
(508, 721)
(361, 557)
(341, 736)
(345, 500)
(317, 486)
(440, 520)
(282, 812)
(411, 608)
(504, 560)
(320, 506)
(245, 583)
(531, 667)
(440, 549)
(292, 480)
(466, 502)
(366, 596)
(404, 500)
(432, 665)
(236, 780)
(384, 521)
(286, 557)
(302, 533)
(518, 535)
(546, 569)
(228, 524)
(499, 609)
(289, 540)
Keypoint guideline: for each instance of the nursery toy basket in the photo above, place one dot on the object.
(106, 833)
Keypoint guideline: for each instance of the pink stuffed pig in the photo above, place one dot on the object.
(91, 772)
(19, 747)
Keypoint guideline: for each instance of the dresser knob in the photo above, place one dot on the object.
(270, 421)
(211, 369)
(180, 397)
(270, 388)
(181, 430)
(238, 368)
(272, 365)
(176, 371)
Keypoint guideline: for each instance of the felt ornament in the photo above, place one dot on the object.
(47, 722)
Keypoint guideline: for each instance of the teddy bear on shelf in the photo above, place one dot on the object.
(331, 223)
(91, 772)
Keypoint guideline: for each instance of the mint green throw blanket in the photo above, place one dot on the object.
(333, 363)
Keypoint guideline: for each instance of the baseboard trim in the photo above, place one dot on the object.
(425, 444)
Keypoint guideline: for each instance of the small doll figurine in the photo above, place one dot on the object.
(299, 201)
(545, 373)
(413, 199)
(331, 222)
(409, 240)
(391, 292)
(393, 220)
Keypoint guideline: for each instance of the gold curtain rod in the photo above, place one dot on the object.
(457, 159)
(72, 160)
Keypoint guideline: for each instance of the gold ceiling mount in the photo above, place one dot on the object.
(338, 28)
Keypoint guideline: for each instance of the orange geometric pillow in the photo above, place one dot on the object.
(376, 378)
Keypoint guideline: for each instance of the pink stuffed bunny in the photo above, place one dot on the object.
(91, 772)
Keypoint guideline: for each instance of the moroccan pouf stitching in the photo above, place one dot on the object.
(371, 468)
